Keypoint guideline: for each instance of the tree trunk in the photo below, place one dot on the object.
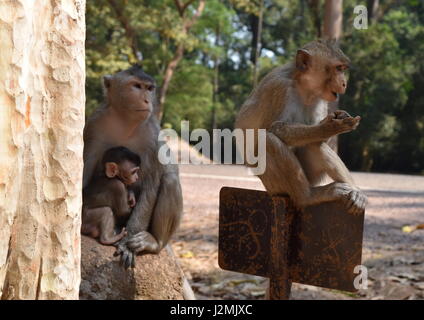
(373, 10)
(169, 72)
(333, 24)
(215, 79)
(42, 75)
(314, 6)
(179, 54)
(333, 18)
(256, 41)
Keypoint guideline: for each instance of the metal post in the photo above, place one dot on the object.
(279, 283)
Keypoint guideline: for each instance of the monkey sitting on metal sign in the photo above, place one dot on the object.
(291, 103)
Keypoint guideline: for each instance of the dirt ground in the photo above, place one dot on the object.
(394, 258)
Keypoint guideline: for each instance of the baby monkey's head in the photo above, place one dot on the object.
(121, 163)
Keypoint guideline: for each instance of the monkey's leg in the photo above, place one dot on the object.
(336, 169)
(284, 174)
(102, 218)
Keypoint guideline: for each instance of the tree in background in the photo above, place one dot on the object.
(129, 23)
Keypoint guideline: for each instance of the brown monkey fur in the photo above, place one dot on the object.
(291, 103)
(127, 119)
(108, 199)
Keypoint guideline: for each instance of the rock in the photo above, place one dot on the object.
(419, 285)
(154, 277)
(395, 291)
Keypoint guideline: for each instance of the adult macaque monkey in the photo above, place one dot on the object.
(127, 119)
(291, 102)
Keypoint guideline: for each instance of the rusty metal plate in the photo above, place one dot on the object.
(244, 231)
(325, 244)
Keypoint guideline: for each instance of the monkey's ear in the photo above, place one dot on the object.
(107, 79)
(112, 169)
(303, 59)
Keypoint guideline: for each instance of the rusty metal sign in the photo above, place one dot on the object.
(266, 236)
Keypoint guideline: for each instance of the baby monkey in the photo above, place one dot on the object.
(108, 198)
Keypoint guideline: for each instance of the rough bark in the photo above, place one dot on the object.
(42, 74)
(155, 277)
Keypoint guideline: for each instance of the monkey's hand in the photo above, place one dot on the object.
(127, 257)
(335, 126)
(131, 199)
(129, 247)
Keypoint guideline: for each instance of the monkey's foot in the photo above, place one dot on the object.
(356, 202)
(105, 240)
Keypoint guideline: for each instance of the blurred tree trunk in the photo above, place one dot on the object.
(256, 22)
(373, 7)
(333, 25)
(42, 78)
(333, 19)
(314, 6)
(130, 33)
(215, 79)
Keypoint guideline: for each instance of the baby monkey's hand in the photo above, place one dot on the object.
(131, 199)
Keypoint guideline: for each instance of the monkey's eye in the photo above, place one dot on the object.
(341, 68)
(137, 85)
(151, 87)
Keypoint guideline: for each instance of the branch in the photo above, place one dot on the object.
(129, 31)
(187, 4)
(179, 7)
(188, 24)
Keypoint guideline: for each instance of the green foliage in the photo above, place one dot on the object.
(190, 89)
(386, 79)
(384, 59)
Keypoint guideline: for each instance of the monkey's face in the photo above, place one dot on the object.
(128, 172)
(132, 95)
(336, 81)
(321, 76)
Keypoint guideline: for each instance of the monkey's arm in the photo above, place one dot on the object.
(167, 213)
(139, 221)
(297, 135)
(120, 194)
(142, 212)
